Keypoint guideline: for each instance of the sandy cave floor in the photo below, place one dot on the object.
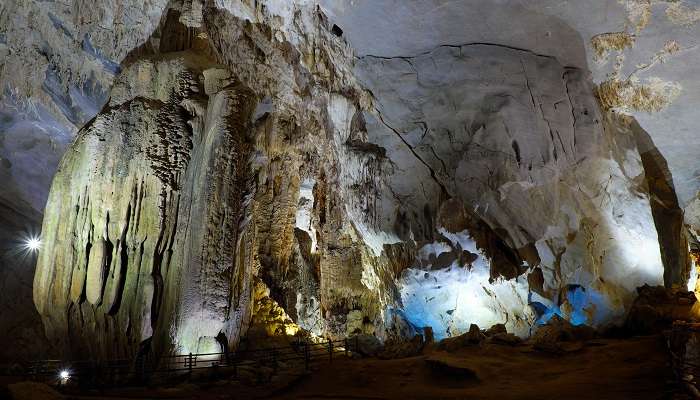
(635, 368)
(605, 369)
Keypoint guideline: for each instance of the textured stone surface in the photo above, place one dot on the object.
(245, 168)
(518, 142)
(187, 186)
(563, 29)
(57, 62)
(117, 227)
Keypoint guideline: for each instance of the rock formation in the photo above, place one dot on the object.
(240, 165)
(197, 178)
(540, 183)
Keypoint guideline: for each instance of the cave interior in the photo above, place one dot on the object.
(350, 199)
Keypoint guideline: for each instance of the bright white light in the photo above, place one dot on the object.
(64, 374)
(450, 299)
(32, 244)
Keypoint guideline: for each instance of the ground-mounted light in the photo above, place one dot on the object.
(64, 376)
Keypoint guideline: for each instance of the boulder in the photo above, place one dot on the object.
(505, 338)
(560, 336)
(473, 337)
(656, 307)
(403, 348)
(428, 335)
(496, 329)
(366, 345)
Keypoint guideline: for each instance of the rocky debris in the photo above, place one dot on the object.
(32, 391)
(401, 348)
(498, 334)
(505, 338)
(473, 337)
(455, 343)
(398, 325)
(268, 318)
(496, 329)
(366, 345)
(656, 308)
(560, 336)
(444, 367)
(428, 335)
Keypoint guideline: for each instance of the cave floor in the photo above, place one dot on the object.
(635, 368)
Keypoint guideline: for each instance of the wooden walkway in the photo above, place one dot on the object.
(139, 371)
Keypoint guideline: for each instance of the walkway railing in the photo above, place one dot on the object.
(143, 369)
(683, 343)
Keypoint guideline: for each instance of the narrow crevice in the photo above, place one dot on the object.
(445, 193)
(516, 149)
(442, 162)
(460, 46)
(571, 103)
(123, 265)
(527, 84)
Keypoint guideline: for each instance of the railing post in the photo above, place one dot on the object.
(111, 379)
(346, 347)
(143, 371)
(189, 363)
(357, 344)
(96, 374)
(138, 369)
(330, 350)
(274, 361)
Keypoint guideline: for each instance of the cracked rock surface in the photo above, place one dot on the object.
(232, 169)
(516, 141)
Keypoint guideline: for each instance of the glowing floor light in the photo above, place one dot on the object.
(63, 377)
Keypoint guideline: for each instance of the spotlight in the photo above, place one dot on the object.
(32, 243)
(63, 377)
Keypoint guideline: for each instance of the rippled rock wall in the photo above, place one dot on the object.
(186, 188)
